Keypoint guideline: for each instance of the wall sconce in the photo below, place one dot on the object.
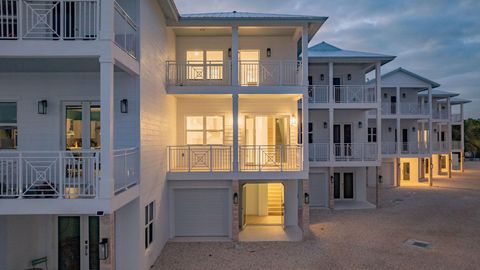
(269, 52)
(322, 77)
(404, 95)
(389, 129)
(380, 179)
(293, 120)
(325, 125)
(435, 130)
(349, 77)
(385, 95)
(103, 249)
(360, 124)
(331, 179)
(306, 198)
(124, 105)
(229, 52)
(235, 198)
(42, 107)
(413, 129)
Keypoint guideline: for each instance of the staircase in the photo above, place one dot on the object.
(275, 199)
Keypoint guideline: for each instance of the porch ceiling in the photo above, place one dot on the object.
(50, 65)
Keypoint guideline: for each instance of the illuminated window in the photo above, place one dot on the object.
(204, 65)
(204, 129)
(149, 212)
(8, 125)
(406, 171)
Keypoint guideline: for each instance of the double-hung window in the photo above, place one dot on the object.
(372, 134)
(8, 125)
(149, 214)
(204, 65)
(204, 130)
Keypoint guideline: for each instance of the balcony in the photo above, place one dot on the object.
(200, 158)
(406, 108)
(318, 94)
(125, 31)
(62, 174)
(349, 94)
(355, 151)
(406, 148)
(271, 158)
(457, 145)
(250, 73)
(441, 146)
(456, 117)
(318, 152)
(440, 115)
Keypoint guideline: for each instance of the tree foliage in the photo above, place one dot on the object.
(472, 136)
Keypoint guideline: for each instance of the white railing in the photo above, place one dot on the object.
(354, 94)
(413, 108)
(259, 73)
(49, 20)
(318, 94)
(125, 168)
(409, 148)
(198, 73)
(389, 108)
(125, 31)
(200, 158)
(56, 174)
(355, 151)
(442, 114)
(389, 148)
(258, 158)
(318, 152)
(457, 145)
(441, 146)
(456, 117)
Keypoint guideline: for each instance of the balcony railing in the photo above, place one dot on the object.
(259, 73)
(406, 148)
(49, 20)
(125, 31)
(258, 158)
(125, 168)
(456, 117)
(355, 151)
(441, 146)
(354, 94)
(200, 158)
(63, 174)
(318, 152)
(389, 108)
(413, 108)
(318, 94)
(197, 74)
(457, 145)
(442, 115)
(389, 148)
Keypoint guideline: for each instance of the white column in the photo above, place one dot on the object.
(107, 20)
(330, 82)
(305, 56)
(397, 93)
(235, 131)
(378, 86)
(330, 136)
(430, 128)
(399, 139)
(235, 55)
(397, 119)
(305, 131)
(106, 184)
(462, 140)
(449, 136)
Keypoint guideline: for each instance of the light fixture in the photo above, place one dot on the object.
(269, 52)
(360, 124)
(103, 249)
(404, 95)
(413, 129)
(434, 130)
(322, 77)
(325, 125)
(293, 120)
(349, 77)
(331, 179)
(229, 52)
(42, 107)
(124, 105)
(389, 129)
(306, 198)
(385, 95)
(380, 179)
(235, 198)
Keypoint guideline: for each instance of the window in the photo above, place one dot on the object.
(204, 129)
(8, 19)
(406, 171)
(310, 132)
(149, 210)
(372, 134)
(8, 125)
(443, 162)
(204, 65)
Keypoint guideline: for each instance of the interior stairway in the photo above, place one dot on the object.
(275, 199)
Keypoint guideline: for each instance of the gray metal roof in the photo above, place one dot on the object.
(409, 73)
(236, 15)
(325, 50)
(456, 101)
(438, 94)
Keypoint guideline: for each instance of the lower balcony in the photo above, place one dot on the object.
(276, 158)
(62, 174)
(406, 148)
(441, 146)
(343, 152)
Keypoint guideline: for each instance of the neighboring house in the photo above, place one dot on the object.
(124, 124)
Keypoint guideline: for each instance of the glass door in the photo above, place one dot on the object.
(82, 125)
(348, 185)
(343, 186)
(249, 67)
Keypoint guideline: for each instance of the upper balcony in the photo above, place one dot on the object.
(62, 27)
(342, 94)
(456, 117)
(440, 115)
(407, 109)
(404, 148)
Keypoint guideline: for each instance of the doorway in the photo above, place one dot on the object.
(393, 104)
(343, 186)
(249, 67)
(342, 139)
(405, 140)
(262, 204)
(339, 96)
(78, 238)
(81, 125)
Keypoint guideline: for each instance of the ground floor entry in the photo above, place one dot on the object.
(262, 204)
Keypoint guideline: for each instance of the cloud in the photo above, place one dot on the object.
(437, 39)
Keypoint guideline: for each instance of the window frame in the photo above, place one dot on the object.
(149, 223)
(13, 126)
(206, 66)
(204, 130)
(372, 134)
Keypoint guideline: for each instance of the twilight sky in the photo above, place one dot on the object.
(438, 39)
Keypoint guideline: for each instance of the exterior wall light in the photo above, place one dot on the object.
(229, 52)
(269, 52)
(435, 130)
(322, 77)
(385, 95)
(380, 179)
(404, 95)
(124, 105)
(325, 125)
(306, 198)
(389, 129)
(349, 77)
(235, 198)
(360, 124)
(413, 129)
(103, 249)
(293, 120)
(42, 107)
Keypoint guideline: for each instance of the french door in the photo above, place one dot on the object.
(81, 125)
(342, 139)
(78, 238)
(343, 186)
(405, 140)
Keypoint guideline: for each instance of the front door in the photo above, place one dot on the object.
(405, 140)
(342, 139)
(343, 186)
(78, 238)
(81, 125)
(393, 104)
(338, 93)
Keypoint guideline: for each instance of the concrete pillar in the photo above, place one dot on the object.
(107, 230)
(396, 176)
(235, 209)
(377, 186)
(234, 55)
(331, 201)
(430, 171)
(399, 140)
(449, 137)
(305, 210)
(449, 164)
(106, 185)
(397, 106)
(235, 131)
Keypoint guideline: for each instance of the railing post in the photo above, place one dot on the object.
(281, 157)
(61, 6)
(188, 162)
(20, 176)
(61, 175)
(211, 158)
(20, 17)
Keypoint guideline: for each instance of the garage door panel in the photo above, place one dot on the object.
(318, 190)
(201, 212)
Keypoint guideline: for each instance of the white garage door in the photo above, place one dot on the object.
(318, 190)
(201, 212)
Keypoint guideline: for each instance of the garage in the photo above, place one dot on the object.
(318, 190)
(201, 212)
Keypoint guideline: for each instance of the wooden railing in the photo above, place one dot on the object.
(456, 117)
(259, 73)
(318, 94)
(198, 73)
(354, 94)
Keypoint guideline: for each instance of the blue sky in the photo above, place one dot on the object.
(438, 39)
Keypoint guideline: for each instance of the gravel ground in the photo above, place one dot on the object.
(447, 216)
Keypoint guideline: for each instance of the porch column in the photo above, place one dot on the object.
(331, 202)
(378, 86)
(397, 130)
(396, 171)
(430, 128)
(106, 185)
(234, 55)
(306, 162)
(378, 181)
(305, 210)
(235, 206)
(462, 140)
(330, 135)
(305, 56)
(107, 230)
(235, 132)
(397, 119)
(330, 83)
(107, 20)
(449, 136)
(397, 105)
(430, 170)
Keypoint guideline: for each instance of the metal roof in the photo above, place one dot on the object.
(326, 50)
(456, 101)
(236, 15)
(409, 73)
(438, 94)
